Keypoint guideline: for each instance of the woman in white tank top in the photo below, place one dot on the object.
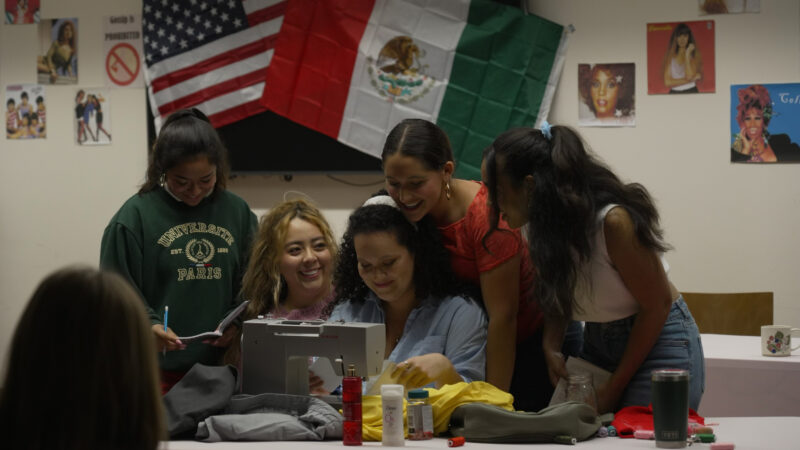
(596, 245)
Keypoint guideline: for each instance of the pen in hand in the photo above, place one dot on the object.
(166, 316)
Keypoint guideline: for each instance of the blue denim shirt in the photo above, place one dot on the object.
(454, 327)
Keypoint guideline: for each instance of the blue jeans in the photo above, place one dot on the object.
(678, 347)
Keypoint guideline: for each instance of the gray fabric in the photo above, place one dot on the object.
(202, 392)
(272, 417)
(479, 422)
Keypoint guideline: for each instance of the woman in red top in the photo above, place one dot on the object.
(418, 165)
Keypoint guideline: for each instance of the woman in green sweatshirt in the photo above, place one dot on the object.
(183, 241)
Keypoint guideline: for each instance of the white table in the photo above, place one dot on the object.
(748, 433)
(740, 382)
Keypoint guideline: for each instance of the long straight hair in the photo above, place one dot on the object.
(82, 370)
(570, 187)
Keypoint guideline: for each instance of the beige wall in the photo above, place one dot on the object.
(734, 227)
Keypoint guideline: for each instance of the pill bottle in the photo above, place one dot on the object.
(393, 428)
(420, 415)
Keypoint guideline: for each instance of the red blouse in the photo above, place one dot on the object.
(464, 240)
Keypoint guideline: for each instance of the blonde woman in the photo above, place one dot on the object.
(291, 265)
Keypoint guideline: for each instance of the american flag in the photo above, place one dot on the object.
(209, 54)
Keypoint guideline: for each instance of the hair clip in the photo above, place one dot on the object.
(385, 200)
(545, 129)
(381, 200)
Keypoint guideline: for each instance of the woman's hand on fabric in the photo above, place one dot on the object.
(556, 366)
(166, 340)
(422, 370)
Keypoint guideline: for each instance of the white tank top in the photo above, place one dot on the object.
(600, 293)
(679, 71)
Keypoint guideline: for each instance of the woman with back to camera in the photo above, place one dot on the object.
(395, 272)
(597, 245)
(754, 143)
(82, 371)
(607, 90)
(291, 266)
(183, 242)
(418, 165)
(683, 64)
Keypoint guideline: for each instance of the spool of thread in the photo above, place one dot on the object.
(644, 434)
(612, 430)
(706, 438)
(566, 440)
(456, 441)
(602, 432)
(698, 429)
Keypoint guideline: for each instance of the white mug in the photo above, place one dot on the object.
(776, 340)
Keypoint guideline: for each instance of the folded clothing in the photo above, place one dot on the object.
(272, 417)
(478, 422)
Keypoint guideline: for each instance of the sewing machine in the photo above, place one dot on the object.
(275, 352)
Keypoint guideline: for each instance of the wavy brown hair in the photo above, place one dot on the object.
(263, 284)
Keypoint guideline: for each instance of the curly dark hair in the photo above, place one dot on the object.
(570, 186)
(433, 273)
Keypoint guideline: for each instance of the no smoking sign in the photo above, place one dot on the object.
(123, 64)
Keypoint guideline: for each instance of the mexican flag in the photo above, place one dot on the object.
(353, 69)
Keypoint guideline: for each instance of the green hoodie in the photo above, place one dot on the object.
(190, 258)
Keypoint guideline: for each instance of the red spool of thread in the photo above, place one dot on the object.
(457, 441)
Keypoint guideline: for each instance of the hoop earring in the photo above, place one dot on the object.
(162, 180)
(447, 192)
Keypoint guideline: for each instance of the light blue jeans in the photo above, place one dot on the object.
(678, 347)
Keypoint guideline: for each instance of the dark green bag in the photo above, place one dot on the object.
(480, 422)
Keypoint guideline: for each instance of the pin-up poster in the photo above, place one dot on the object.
(729, 6)
(19, 12)
(92, 119)
(57, 62)
(26, 111)
(680, 57)
(764, 120)
(606, 95)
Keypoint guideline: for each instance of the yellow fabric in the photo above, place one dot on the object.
(443, 401)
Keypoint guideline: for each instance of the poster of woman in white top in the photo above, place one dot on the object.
(680, 57)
